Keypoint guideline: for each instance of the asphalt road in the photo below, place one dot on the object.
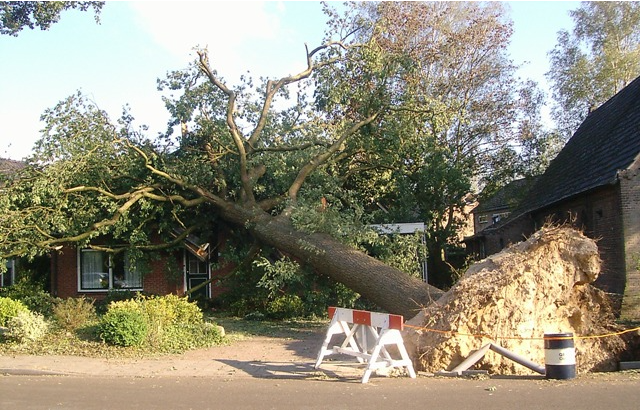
(91, 392)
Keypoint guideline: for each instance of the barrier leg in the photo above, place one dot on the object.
(334, 328)
(389, 337)
(372, 363)
(406, 359)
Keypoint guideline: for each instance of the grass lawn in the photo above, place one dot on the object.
(85, 342)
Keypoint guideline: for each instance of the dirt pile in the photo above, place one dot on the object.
(533, 288)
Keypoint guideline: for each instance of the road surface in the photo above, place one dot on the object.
(316, 392)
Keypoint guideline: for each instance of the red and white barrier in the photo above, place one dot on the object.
(366, 335)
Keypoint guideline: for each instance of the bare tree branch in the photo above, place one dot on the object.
(274, 86)
(237, 136)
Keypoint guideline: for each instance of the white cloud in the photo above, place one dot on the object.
(225, 28)
(118, 61)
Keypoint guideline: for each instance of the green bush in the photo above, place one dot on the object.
(170, 309)
(74, 313)
(182, 337)
(285, 307)
(164, 312)
(171, 324)
(10, 308)
(122, 326)
(26, 327)
(32, 296)
(114, 296)
(245, 306)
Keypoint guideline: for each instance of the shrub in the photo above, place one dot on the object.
(170, 309)
(26, 327)
(285, 307)
(10, 308)
(122, 326)
(114, 296)
(32, 296)
(244, 306)
(166, 315)
(73, 313)
(171, 324)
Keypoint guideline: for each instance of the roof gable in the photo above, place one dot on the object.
(507, 197)
(9, 166)
(606, 142)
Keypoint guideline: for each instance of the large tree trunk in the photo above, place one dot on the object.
(391, 289)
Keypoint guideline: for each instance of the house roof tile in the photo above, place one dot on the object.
(507, 197)
(8, 166)
(606, 142)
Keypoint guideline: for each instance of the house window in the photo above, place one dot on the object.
(100, 270)
(498, 217)
(195, 265)
(8, 277)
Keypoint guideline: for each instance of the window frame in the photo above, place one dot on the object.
(110, 272)
(9, 275)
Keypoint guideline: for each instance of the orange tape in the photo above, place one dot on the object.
(454, 333)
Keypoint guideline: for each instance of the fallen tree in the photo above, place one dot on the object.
(513, 298)
(257, 157)
(353, 131)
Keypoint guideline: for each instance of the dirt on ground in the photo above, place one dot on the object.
(255, 356)
(539, 287)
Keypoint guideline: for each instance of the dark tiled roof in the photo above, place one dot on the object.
(607, 141)
(507, 197)
(9, 166)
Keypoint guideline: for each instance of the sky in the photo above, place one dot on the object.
(118, 62)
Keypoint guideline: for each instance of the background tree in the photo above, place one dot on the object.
(457, 117)
(591, 64)
(536, 144)
(16, 15)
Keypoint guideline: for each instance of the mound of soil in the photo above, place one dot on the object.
(537, 287)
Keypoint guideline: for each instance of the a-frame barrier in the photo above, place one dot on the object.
(366, 335)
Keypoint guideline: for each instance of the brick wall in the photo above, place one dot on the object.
(64, 276)
(513, 232)
(64, 273)
(630, 205)
(599, 214)
(159, 281)
(605, 226)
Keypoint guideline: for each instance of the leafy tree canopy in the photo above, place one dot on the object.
(16, 15)
(594, 61)
(392, 119)
(455, 118)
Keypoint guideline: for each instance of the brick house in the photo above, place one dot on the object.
(93, 272)
(594, 184)
(490, 212)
